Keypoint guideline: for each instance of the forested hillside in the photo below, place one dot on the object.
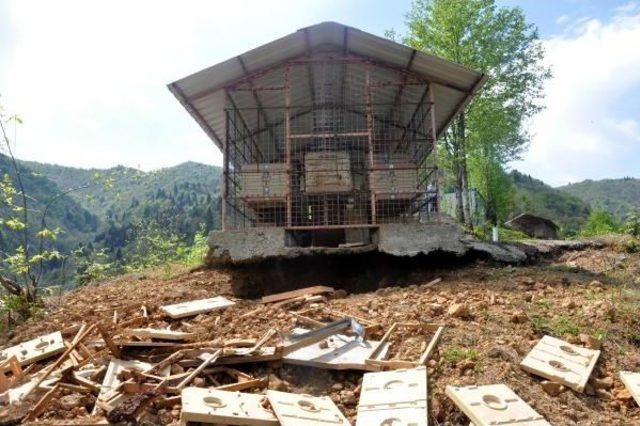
(535, 197)
(118, 213)
(76, 223)
(180, 198)
(618, 196)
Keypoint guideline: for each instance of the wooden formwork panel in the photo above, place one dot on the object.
(394, 397)
(492, 405)
(35, 350)
(561, 362)
(337, 352)
(305, 410)
(224, 407)
(632, 382)
(264, 180)
(196, 307)
(327, 171)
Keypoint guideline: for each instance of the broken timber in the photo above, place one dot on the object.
(161, 334)
(376, 364)
(196, 307)
(296, 341)
(309, 291)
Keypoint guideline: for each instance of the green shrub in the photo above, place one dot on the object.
(632, 224)
(600, 222)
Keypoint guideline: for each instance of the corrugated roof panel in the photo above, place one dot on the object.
(201, 92)
(379, 48)
(274, 52)
(444, 70)
(325, 33)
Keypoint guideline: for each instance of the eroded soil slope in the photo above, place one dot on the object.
(501, 313)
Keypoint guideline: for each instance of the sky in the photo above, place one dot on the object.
(89, 78)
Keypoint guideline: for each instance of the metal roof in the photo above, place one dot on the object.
(203, 95)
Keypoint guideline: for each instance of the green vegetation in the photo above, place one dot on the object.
(535, 197)
(621, 197)
(455, 355)
(484, 137)
(599, 222)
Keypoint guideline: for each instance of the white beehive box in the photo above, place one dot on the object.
(492, 405)
(561, 362)
(223, 407)
(264, 180)
(35, 350)
(394, 397)
(327, 171)
(394, 180)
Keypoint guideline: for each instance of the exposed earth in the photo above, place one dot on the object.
(494, 315)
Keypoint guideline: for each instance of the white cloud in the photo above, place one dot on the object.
(591, 127)
(89, 78)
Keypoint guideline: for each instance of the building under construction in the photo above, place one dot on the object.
(328, 138)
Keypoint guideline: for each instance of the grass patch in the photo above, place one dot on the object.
(544, 303)
(565, 325)
(454, 355)
(540, 324)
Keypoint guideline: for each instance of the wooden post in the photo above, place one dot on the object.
(370, 140)
(287, 138)
(435, 147)
(225, 172)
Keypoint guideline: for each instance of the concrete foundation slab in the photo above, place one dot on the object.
(253, 245)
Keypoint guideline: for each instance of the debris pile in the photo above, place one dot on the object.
(421, 355)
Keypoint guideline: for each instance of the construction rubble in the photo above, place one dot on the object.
(163, 364)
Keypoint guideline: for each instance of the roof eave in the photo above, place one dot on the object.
(463, 103)
(173, 87)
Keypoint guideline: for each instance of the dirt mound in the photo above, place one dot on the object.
(499, 314)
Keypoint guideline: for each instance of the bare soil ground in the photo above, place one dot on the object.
(593, 292)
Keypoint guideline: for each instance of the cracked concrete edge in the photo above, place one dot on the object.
(255, 245)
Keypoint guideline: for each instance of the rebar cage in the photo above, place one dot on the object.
(329, 141)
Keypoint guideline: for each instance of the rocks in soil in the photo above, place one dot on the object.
(69, 402)
(602, 383)
(459, 310)
(552, 388)
(589, 341)
(518, 317)
(505, 353)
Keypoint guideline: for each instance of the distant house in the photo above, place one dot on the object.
(534, 226)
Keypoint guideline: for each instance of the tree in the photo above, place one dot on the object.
(600, 222)
(498, 42)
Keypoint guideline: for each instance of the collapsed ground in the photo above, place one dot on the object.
(504, 311)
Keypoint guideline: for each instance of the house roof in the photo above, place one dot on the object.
(203, 95)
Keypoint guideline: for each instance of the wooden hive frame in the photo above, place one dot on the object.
(374, 364)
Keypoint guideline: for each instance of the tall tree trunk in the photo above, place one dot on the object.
(463, 173)
(458, 187)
